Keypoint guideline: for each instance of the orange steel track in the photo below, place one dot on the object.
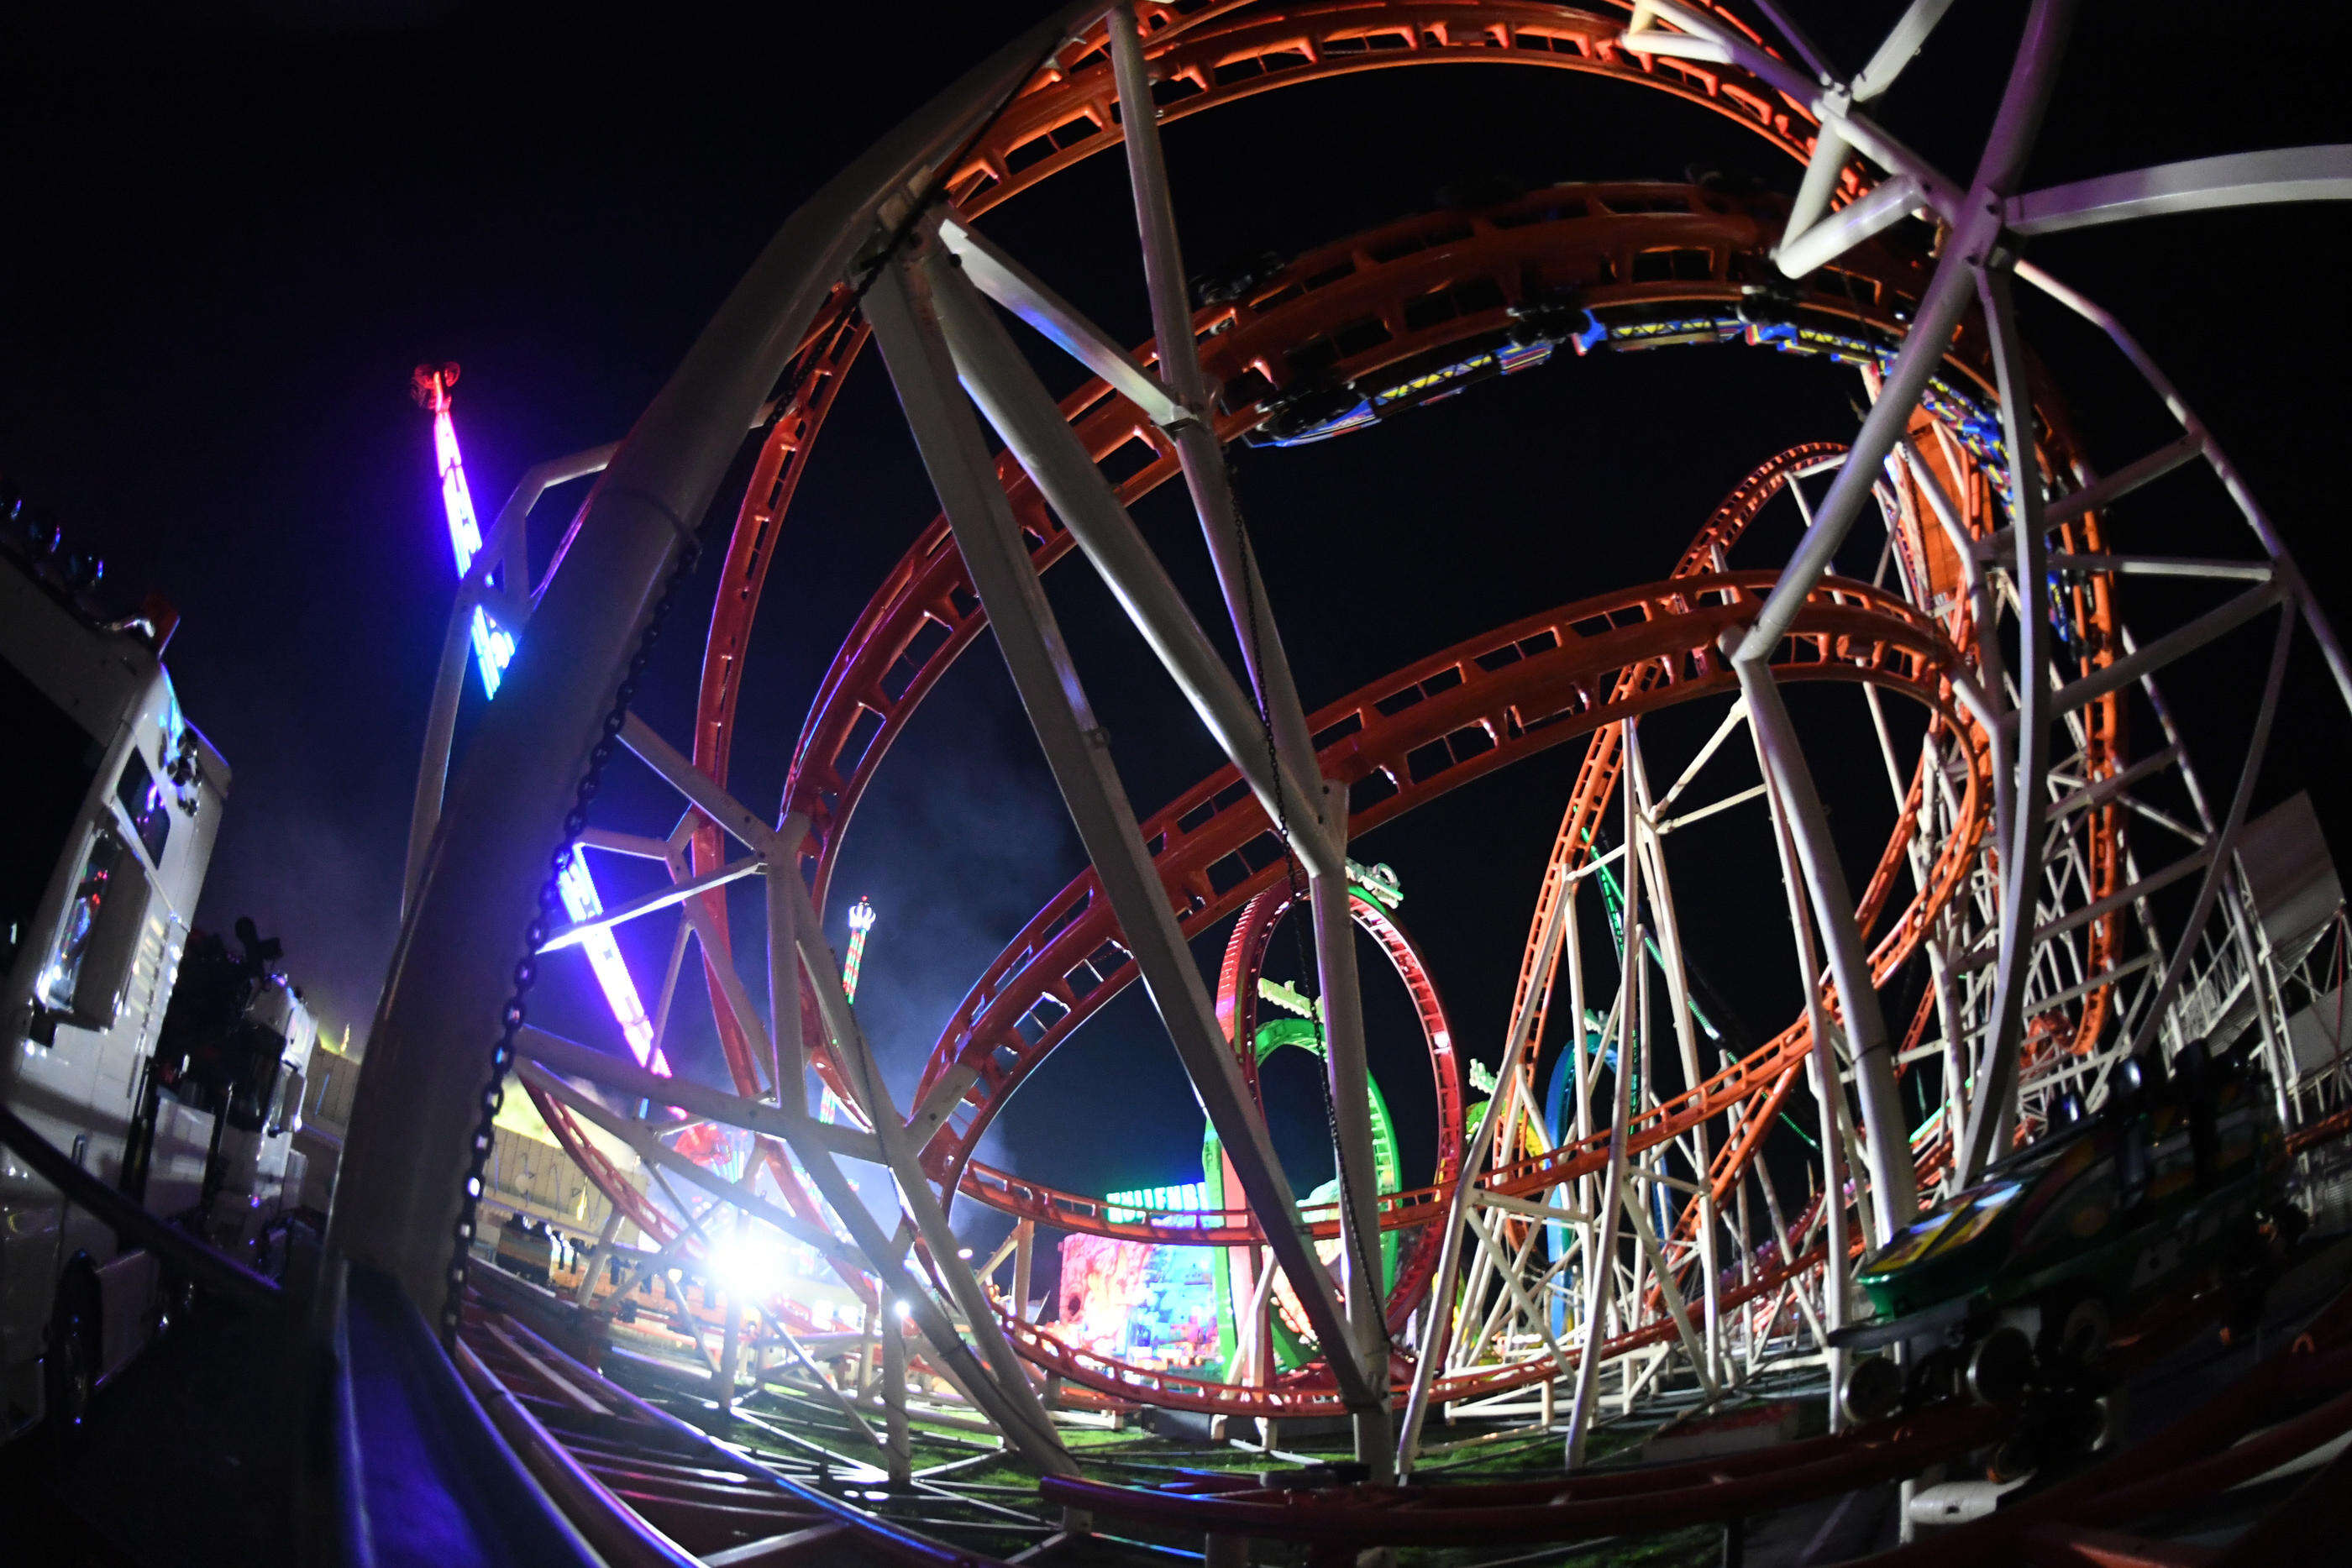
(1389, 284)
(1442, 723)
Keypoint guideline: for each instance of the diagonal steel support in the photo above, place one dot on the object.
(804, 947)
(1894, 1185)
(1941, 306)
(1347, 1079)
(1009, 393)
(1243, 590)
(948, 434)
(1993, 1103)
(2224, 844)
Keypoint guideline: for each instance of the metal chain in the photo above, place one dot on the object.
(1293, 878)
(550, 897)
(535, 935)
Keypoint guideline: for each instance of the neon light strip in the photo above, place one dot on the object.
(849, 966)
(494, 649)
(580, 898)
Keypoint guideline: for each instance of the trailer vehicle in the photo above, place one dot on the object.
(236, 1047)
(111, 799)
(2017, 1281)
(526, 1248)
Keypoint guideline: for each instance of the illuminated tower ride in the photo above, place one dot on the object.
(494, 649)
(1622, 1231)
(861, 921)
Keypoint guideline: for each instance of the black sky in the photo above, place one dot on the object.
(230, 235)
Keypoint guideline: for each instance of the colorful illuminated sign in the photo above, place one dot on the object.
(1144, 1303)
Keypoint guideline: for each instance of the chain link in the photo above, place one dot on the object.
(535, 935)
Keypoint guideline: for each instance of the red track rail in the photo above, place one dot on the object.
(2189, 1460)
(1381, 295)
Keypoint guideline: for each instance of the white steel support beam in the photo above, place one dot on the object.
(1888, 203)
(1011, 1406)
(661, 1156)
(1941, 306)
(652, 902)
(809, 954)
(1797, 807)
(1601, 1246)
(1015, 286)
(1285, 719)
(1000, 382)
(2225, 840)
(1821, 1068)
(2216, 622)
(1196, 448)
(898, 1452)
(1669, 944)
(1347, 1079)
(2103, 492)
(1898, 48)
(740, 823)
(948, 433)
(1025, 415)
(1992, 1105)
(2235, 180)
(576, 1061)
(2314, 614)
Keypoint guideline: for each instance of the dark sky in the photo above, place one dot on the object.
(230, 235)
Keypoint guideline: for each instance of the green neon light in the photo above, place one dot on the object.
(1292, 1350)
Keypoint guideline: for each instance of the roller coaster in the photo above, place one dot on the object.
(2067, 899)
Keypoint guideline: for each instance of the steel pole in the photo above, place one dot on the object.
(948, 434)
(1992, 1105)
(1894, 1186)
(1348, 1077)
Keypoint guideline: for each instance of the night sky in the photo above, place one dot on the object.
(231, 235)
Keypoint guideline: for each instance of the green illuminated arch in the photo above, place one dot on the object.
(1291, 1350)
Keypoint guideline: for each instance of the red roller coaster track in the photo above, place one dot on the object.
(1372, 313)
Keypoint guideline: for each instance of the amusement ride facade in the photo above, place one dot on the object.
(1611, 1226)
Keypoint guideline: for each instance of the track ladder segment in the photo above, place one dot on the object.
(647, 1490)
(2291, 1404)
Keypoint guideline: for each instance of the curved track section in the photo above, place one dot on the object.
(2045, 967)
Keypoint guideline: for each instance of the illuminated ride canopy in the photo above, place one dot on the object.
(1593, 1210)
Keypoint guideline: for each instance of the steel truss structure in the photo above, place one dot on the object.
(2063, 888)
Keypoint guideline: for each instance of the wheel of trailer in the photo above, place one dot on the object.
(69, 1367)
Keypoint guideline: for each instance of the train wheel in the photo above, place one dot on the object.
(1874, 1389)
(2015, 1458)
(1999, 1367)
(2076, 1334)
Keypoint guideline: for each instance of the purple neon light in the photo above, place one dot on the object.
(494, 649)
